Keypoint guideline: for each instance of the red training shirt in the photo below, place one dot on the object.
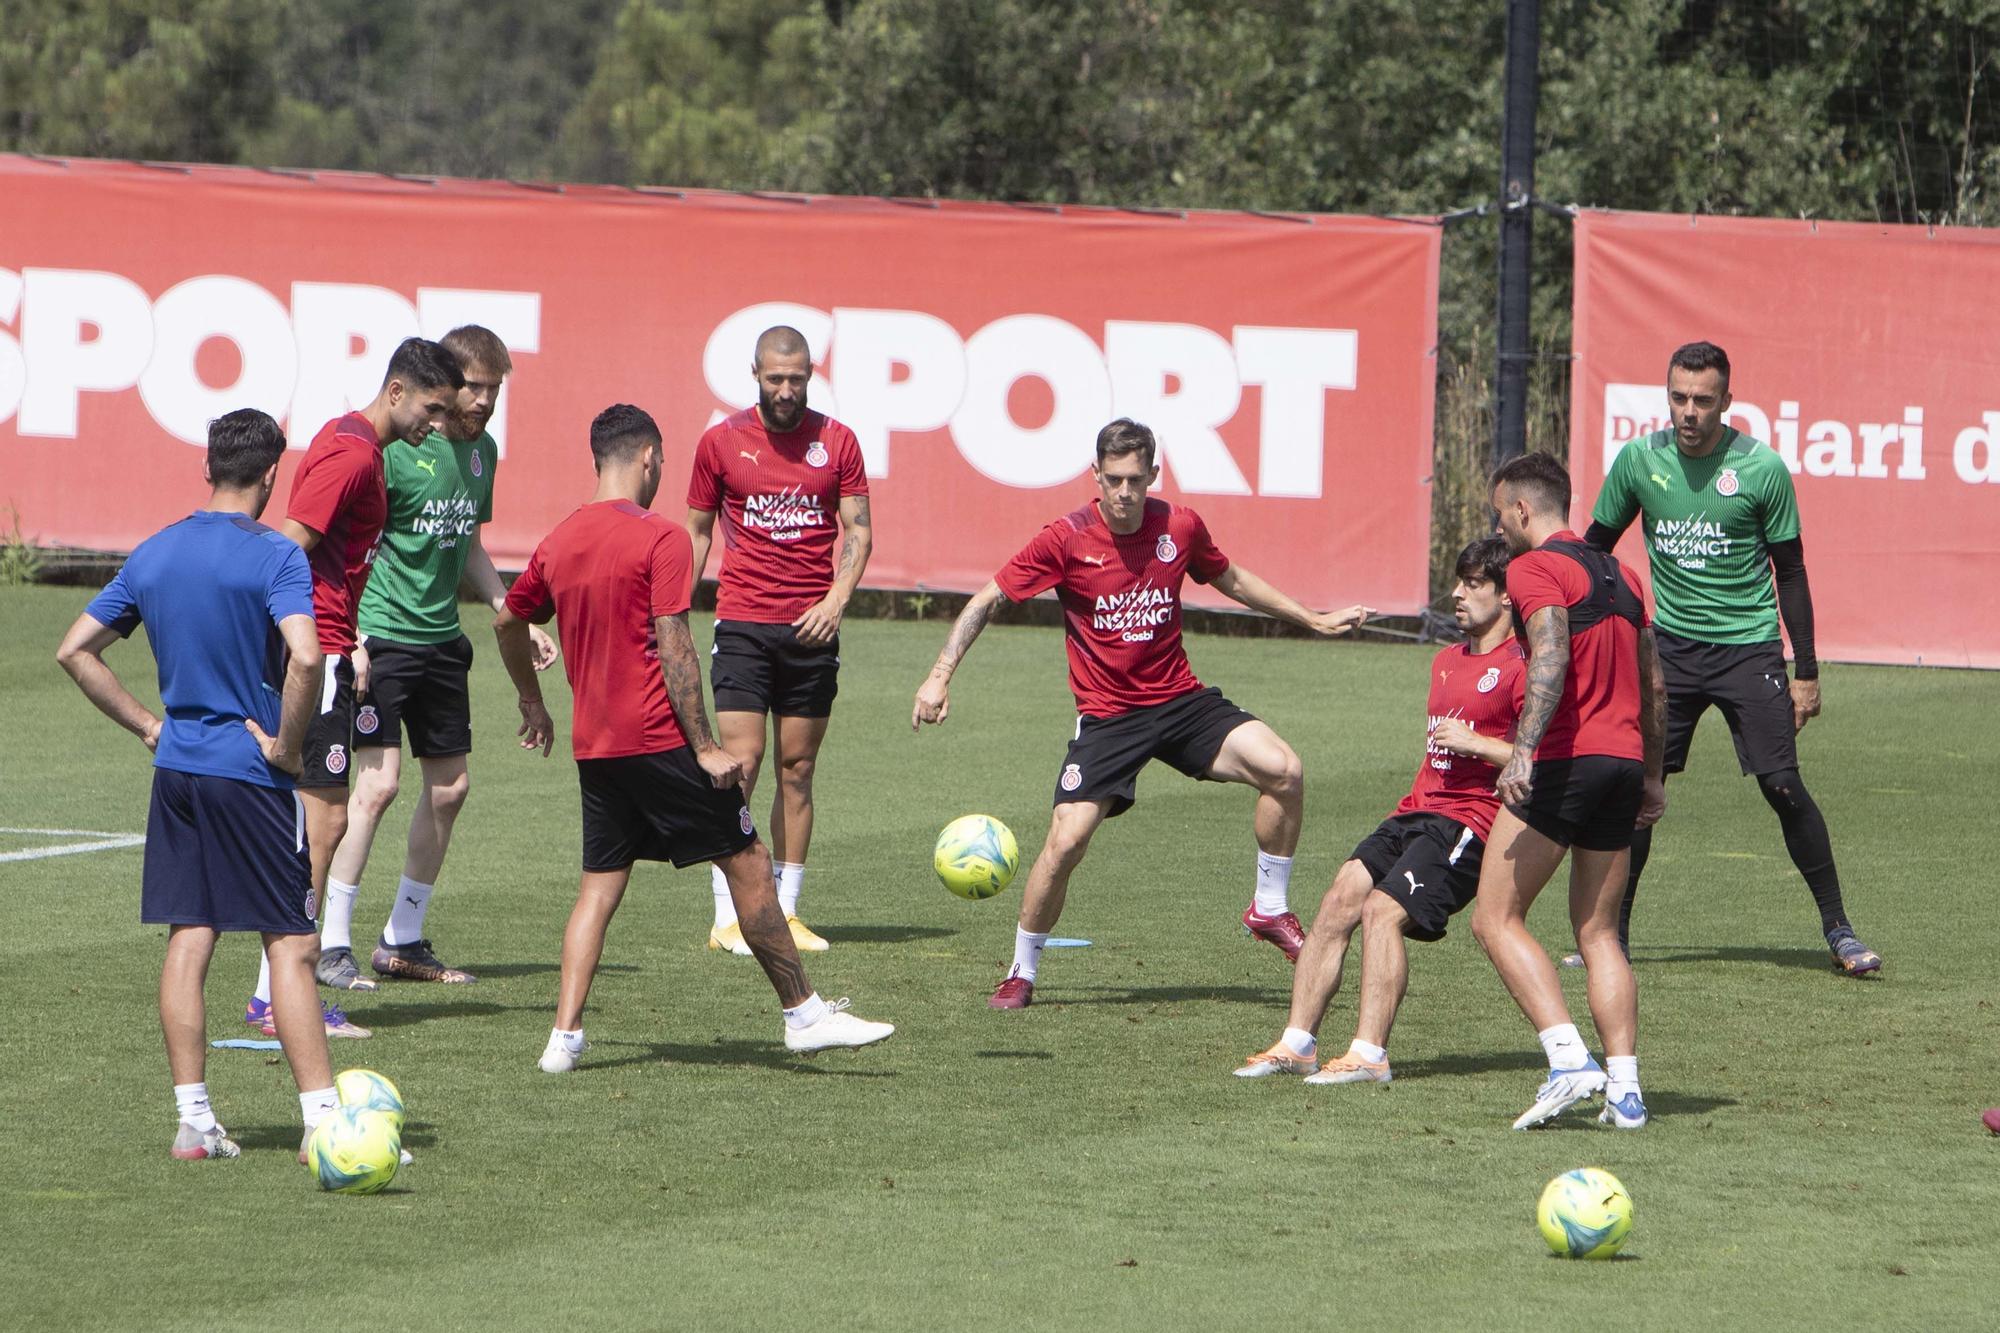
(339, 493)
(779, 498)
(606, 572)
(1599, 711)
(1121, 600)
(1483, 690)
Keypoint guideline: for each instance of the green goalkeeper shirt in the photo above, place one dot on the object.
(1708, 523)
(440, 491)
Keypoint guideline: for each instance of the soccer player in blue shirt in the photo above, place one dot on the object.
(227, 605)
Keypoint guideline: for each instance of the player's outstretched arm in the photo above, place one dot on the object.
(934, 695)
(680, 667)
(1653, 728)
(483, 578)
(1239, 584)
(538, 729)
(822, 620)
(82, 656)
(1548, 665)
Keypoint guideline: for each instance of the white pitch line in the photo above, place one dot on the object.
(69, 833)
(110, 843)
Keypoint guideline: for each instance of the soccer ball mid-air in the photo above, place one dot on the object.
(1585, 1214)
(976, 856)
(371, 1092)
(355, 1151)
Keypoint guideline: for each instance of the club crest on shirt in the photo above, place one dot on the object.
(1166, 550)
(478, 468)
(367, 721)
(336, 759)
(1072, 777)
(744, 822)
(1726, 484)
(1489, 680)
(817, 454)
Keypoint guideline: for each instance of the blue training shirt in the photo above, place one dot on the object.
(211, 590)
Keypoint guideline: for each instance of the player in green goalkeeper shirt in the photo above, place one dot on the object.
(440, 494)
(1719, 516)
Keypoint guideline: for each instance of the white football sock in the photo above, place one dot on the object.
(1565, 1047)
(725, 906)
(1299, 1041)
(317, 1106)
(191, 1100)
(263, 991)
(1274, 884)
(1621, 1076)
(406, 918)
(572, 1040)
(1368, 1051)
(806, 1013)
(338, 932)
(1027, 953)
(791, 878)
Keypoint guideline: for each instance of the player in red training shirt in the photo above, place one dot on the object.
(1421, 866)
(339, 503)
(783, 478)
(1117, 564)
(1583, 774)
(656, 786)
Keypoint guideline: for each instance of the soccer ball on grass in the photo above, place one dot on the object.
(370, 1091)
(976, 856)
(355, 1151)
(1585, 1214)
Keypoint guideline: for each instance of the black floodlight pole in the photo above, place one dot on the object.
(1517, 189)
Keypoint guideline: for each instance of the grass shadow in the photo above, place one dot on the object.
(1257, 995)
(1014, 1055)
(1681, 1103)
(882, 934)
(402, 1016)
(536, 969)
(1816, 960)
(721, 1054)
(1458, 1066)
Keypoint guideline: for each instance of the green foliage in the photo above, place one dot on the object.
(20, 558)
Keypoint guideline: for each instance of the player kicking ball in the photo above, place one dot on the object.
(1118, 565)
(1421, 866)
(656, 785)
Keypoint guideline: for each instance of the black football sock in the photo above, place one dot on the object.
(1642, 848)
(1807, 840)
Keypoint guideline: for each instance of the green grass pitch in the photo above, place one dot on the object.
(1816, 1152)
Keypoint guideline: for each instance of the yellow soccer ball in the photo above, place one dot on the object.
(1585, 1214)
(355, 1151)
(369, 1090)
(976, 856)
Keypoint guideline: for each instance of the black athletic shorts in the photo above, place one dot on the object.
(226, 854)
(1591, 801)
(1747, 682)
(330, 735)
(658, 807)
(757, 668)
(421, 687)
(1428, 863)
(1106, 754)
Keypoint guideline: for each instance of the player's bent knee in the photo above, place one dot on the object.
(1785, 791)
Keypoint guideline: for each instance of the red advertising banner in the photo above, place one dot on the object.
(1862, 354)
(1286, 363)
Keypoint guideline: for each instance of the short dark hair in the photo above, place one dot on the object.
(620, 431)
(423, 364)
(476, 345)
(1126, 436)
(1700, 356)
(1485, 559)
(780, 340)
(1541, 477)
(242, 445)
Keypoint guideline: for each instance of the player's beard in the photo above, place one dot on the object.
(464, 427)
(768, 409)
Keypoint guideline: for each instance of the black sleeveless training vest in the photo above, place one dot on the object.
(1610, 594)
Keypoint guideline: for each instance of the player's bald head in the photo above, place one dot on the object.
(780, 340)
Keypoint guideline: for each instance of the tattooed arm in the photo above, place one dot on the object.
(1653, 727)
(933, 699)
(680, 666)
(1548, 665)
(821, 621)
